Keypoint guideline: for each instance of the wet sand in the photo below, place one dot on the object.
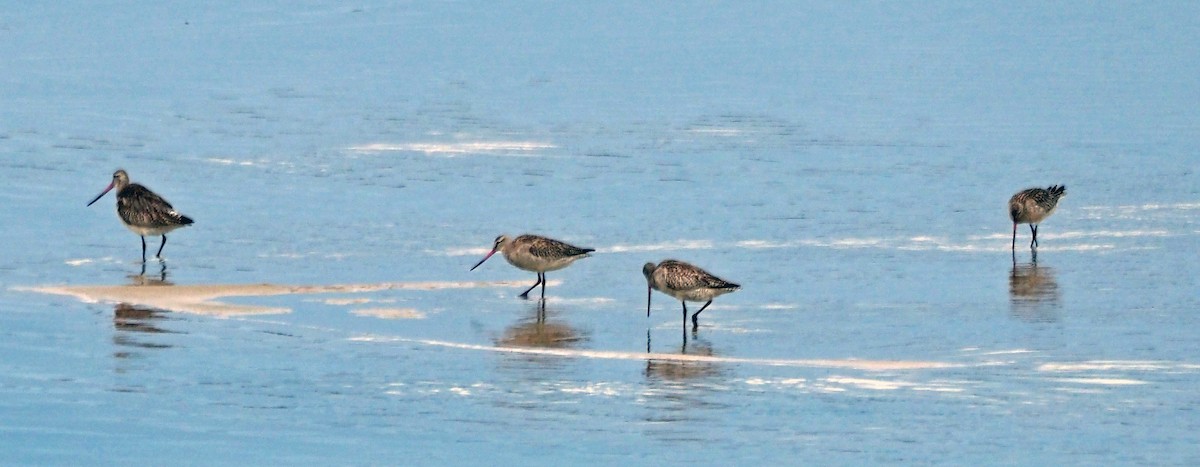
(204, 299)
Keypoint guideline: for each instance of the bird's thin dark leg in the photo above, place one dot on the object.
(160, 247)
(535, 284)
(684, 321)
(1033, 244)
(543, 279)
(143, 249)
(695, 321)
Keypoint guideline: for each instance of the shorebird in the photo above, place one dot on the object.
(686, 283)
(143, 211)
(1031, 206)
(536, 254)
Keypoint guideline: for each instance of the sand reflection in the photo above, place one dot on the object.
(1033, 293)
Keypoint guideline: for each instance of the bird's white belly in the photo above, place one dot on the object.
(151, 231)
(702, 294)
(533, 264)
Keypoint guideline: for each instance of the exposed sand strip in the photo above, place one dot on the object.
(203, 299)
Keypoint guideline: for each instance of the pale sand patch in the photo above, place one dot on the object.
(866, 365)
(390, 313)
(203, 299)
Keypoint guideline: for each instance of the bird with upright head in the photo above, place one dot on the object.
(143, 211)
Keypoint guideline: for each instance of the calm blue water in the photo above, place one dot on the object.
(847, 164)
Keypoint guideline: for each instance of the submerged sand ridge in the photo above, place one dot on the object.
(204, 298)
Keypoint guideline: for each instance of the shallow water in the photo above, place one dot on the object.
(847, 165)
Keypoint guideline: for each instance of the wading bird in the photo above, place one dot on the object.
(538, 254)
(143, 211)
(1032, 206)
(686, 283)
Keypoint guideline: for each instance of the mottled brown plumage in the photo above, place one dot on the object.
(1032, 206)
(143, 211)
(686, 283)
(536, 253)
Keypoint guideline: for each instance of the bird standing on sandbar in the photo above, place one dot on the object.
(1032, 206)
(536, 254)
(686, 283)
(143, 211)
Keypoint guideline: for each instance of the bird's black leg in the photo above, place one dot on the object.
(695, 321)
(543, 279)
(1033, 244)
(143, 249)
(160, 247)
(684, 321)
(525, 294)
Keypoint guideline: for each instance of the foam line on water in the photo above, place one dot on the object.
(855, 364)
(524, 148)
(1117, 365)
(1077, 240)
(1102, 381)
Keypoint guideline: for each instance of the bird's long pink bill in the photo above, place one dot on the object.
(101, 195)
(648, 292)
(485, 258)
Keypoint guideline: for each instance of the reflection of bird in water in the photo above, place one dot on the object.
(1032, 206)
(686, 283)
(128, 317)
(143, 211)
(680, 370)
(537, 331)
(1033, 292)
(130, 320)
(143, 279)
(680, 396)
(535, 253)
